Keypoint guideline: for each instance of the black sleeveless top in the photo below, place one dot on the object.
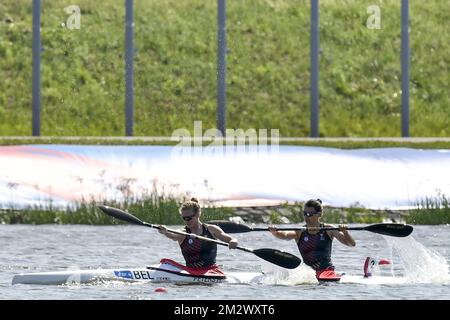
(316, 249)
(198, 253)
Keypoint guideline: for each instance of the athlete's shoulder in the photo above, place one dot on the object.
(212, 227)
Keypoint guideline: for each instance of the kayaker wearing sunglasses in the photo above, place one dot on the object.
(198, 254)
(315, 244)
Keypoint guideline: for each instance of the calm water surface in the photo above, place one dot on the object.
(423, 258)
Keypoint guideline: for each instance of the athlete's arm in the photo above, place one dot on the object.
(173, 236)
(283, 235)
(219, 234)
(342, 235)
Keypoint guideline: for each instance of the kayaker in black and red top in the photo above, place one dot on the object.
(315, 244)
(198, 254)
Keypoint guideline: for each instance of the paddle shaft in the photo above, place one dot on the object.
(305, 229)
(389, 229)
(310, 228)
(313, 229)
(192, 235)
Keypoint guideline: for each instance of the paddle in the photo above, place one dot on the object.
(280, 258)
(387, 229)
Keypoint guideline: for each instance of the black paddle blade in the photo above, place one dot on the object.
(280, 258)
(391, 229)
(120, 214)
(230, 227)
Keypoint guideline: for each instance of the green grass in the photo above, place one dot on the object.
(268, 67)
(152, 209)
(431, 211)
(160, 210)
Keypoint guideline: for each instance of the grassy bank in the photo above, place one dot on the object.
(165, 211)
(156, 210)
(268, 67)
(428, 212)
(431, 211)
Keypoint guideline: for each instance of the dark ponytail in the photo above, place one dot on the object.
(316, 204)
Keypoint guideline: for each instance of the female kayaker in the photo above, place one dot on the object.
(198, 254)
(314, 244)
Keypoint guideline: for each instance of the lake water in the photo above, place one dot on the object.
(422, 257)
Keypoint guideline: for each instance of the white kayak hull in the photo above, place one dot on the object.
(159, 276)
(156, 273)
(171, 272)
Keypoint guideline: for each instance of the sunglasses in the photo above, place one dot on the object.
(188, 218)
(310, 214)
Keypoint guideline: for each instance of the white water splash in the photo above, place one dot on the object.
(411, 262)
(421, 264)
(301, 275)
